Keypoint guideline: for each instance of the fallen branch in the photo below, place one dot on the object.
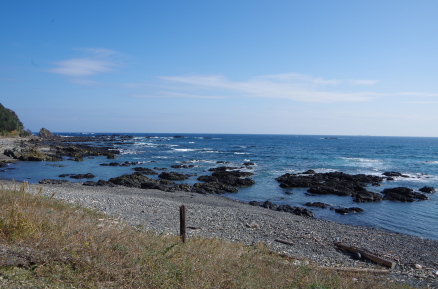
(367, 255)
(358, 270)
(284, 242)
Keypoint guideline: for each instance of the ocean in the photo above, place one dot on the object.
(275, 155)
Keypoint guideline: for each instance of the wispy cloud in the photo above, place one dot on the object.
(170, 94)
(298, 87)
(97, 61)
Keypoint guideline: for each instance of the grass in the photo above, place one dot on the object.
(60, 245)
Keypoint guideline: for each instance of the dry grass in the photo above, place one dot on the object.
(66, 246)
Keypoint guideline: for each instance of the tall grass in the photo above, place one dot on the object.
(67, 246)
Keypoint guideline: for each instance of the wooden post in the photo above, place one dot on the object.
(182, 223)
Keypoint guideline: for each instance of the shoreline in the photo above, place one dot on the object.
(217, 216)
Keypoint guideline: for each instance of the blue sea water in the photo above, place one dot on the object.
(275, 155)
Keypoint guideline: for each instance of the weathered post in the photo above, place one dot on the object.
(182, 223)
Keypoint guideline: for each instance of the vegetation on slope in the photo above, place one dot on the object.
(10, 124)
(45, 243)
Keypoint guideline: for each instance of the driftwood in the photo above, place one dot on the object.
(384, 262)
(358, 270)
(284, 242)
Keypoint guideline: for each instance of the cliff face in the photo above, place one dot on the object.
(10, 123)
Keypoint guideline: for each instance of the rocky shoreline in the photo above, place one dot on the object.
(153, 204)
(211, 216)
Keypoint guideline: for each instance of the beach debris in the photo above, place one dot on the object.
(367, 255)
(285, 242)
(253, 225)
(358, 270)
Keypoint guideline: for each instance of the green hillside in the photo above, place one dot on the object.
(10, 124)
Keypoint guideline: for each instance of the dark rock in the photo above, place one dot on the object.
(344, 211)
(402, 194)
(317, 204)
(324, 190)
(366, 196)
(180, 188)
(222, 169)
(152, 184)
(83, 176)
(309, 172)
(392, 174)
(337, 180)
(178, 136)
(52, 182)
(134, 180)
(284, 208)
(303, 212)
(249, 164)
(213, 188)
(230, 178)
(269, 205)
(255, 203)
(99, 183)
(180, 166)
(45, 133)
(426, 189)
(173, 176)
(145, 171)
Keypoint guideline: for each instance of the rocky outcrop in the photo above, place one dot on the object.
(344, 211)
(403, 194)
(333, 183)
(229, 176)
(134, 180)
(30, 153)
(173, 176)
(145, 171)
(45, 133)
(284, 208)
(213, 188)
(138, 180)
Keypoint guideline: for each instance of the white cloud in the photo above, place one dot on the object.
(296, 87)
(97, 62)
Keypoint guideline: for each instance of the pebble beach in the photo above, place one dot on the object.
(212, 216)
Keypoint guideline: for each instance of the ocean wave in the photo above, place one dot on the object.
(184, 150)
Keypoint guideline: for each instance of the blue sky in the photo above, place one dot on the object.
(341, 67)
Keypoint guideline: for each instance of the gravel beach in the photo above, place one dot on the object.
(215, 216)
